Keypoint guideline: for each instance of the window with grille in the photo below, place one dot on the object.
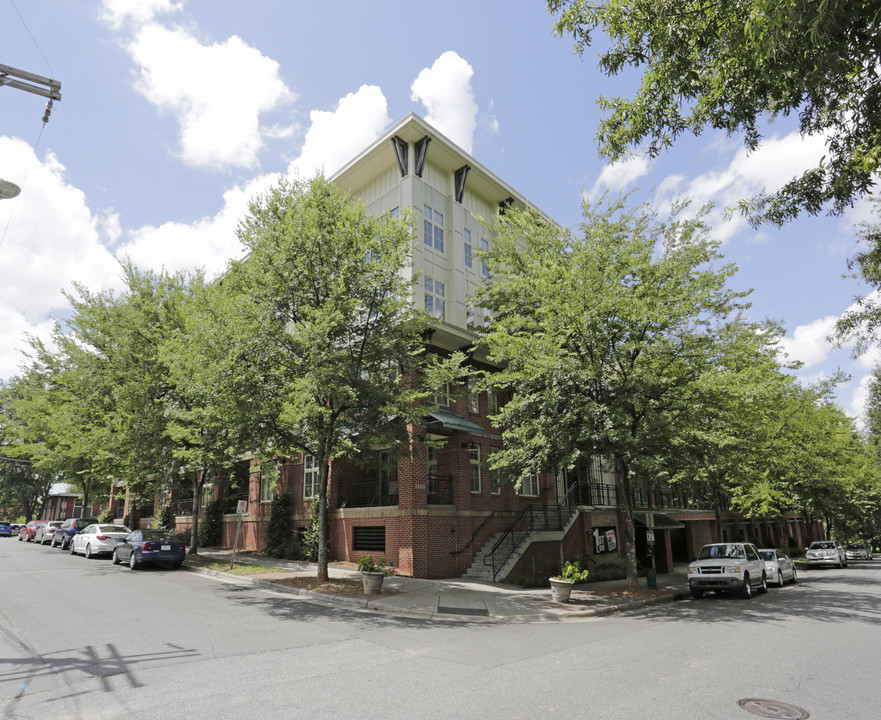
(268, 480)
(311, 476)
(529, 486)
(474, 461)
(473, 397)
(484, 267)
(433, 225)
(369, 538)
(435, 303)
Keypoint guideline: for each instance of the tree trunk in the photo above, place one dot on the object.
(322, 516)
(625, 497)
(198, 483)
(717, 511)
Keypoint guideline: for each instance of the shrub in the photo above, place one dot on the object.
(281, 538)
(609, 570)
(211, 529)
(310, 534)
(366, 564)
(574, 572)
(105, 516)
(166, 518)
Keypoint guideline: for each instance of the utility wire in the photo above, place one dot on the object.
(28, 30)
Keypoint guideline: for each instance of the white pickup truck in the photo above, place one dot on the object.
(727, 567)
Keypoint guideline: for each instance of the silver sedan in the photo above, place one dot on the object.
(97, 540)
(779, 566)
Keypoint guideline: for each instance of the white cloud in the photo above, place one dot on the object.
(857, 407)
(808, 343)
(335, 137)
(217, 92)
(50, 238)
(117, 12)
(445, 91)
(777, 161)
(618, 175)
(208, 243)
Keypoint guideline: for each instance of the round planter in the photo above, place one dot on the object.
(372, 582)
(560, 590)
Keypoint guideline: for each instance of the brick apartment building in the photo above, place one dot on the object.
(442, 513)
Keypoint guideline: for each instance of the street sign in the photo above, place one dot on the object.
(242, 507)
(650, 537)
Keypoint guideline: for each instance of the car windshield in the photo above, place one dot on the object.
(767, 554)
(82, 523)
(822, 546)
(110, 528)
(721, 551)
(855, 546)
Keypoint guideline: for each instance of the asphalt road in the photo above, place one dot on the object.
(84, 639)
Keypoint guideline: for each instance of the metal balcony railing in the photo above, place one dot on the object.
(370, 492)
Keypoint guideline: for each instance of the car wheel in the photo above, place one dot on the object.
(19, 538)
(176, 566)
(696, 593)
(763, 588)
(779, 578)
(794, 575)
(115, 558)
(72, 548)
(132, 562)
(746, 592)
(88, 552)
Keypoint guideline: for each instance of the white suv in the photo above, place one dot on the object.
(727, 567)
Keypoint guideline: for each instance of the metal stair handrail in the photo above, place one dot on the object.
(489, 517)
(527, 521)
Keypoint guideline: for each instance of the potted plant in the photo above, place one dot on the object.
(561, 585)
(372, 574)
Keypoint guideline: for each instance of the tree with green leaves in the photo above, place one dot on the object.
(602, 335)
(325, 328)
(735, 65)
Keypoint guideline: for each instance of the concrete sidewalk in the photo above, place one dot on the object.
(459, 598)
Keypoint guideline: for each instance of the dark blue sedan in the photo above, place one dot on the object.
(149, 546)
(5, 529)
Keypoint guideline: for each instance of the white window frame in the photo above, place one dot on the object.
(492, 402)
(529, 487)
(435, 298)
(484, 267)
(474, 468)
(468, 249)
(442, 398)
(311, 476)
(433, 228)
(473, 397)
(268, 480)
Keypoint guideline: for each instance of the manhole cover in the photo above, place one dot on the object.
(773, 709)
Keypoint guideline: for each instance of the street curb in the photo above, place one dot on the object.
(379, 606)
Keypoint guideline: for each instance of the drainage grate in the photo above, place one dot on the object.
(463, 611)
(773, 709)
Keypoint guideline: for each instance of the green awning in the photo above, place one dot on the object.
(453, 421)
(661, 521)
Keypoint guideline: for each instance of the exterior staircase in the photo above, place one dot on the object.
(534, 525)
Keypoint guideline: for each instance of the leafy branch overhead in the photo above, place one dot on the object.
(735, 65)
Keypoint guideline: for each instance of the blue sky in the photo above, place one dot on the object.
(173, 114)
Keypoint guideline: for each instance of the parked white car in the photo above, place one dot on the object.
(45, 532)
(826, 552)
(779, 566)
(97, 540)
(854, 551)
(728, 567)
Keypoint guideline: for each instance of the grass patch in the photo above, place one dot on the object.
(223, 566)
